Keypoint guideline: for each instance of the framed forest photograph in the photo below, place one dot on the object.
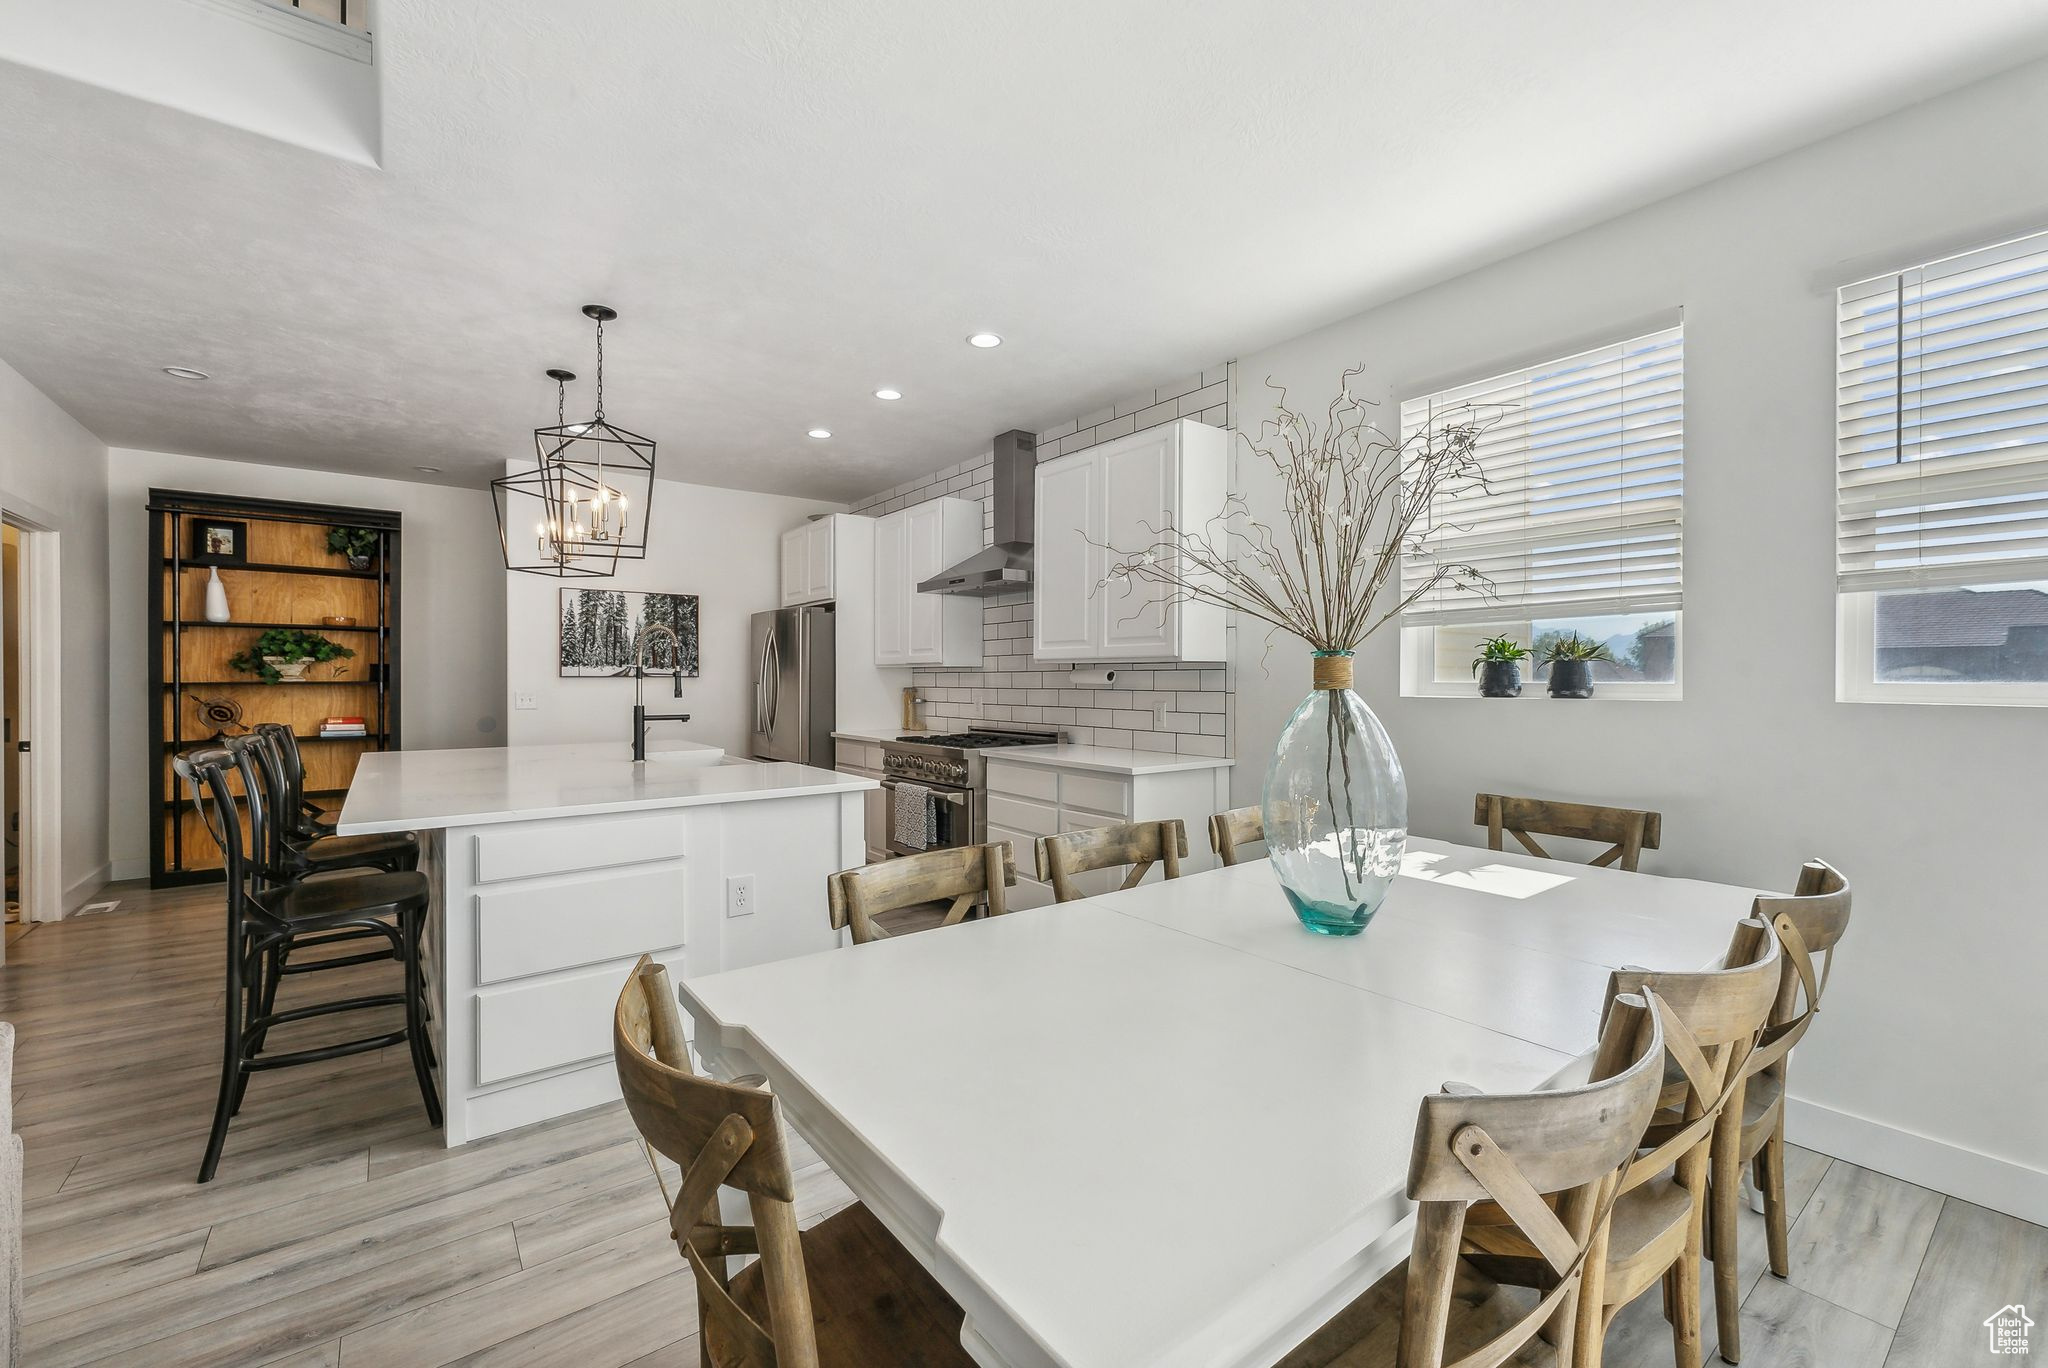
(601, 631)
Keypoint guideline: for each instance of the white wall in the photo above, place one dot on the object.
(237, 62)
(54, 474)
(725, 546)
(451, 610)
(1936, 1016)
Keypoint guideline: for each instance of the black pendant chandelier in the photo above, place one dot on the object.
(588, 494)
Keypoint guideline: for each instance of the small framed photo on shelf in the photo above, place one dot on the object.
(219, 541)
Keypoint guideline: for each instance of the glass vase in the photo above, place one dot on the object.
(1335, 806)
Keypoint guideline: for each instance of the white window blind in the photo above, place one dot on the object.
(1580, 507)
(1941, 423)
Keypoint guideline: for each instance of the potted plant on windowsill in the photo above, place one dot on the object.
(282, 655)
(1571, 665)
(1499, 667)
(359, 544)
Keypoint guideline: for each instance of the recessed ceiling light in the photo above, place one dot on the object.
(186, 373)
(984, 340)
(428, 470)
(888, 394)
(821, 433)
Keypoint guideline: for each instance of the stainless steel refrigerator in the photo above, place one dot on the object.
(792, 654)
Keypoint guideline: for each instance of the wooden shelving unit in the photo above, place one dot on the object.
(289, 579)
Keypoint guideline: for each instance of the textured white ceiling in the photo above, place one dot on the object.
(794, 204)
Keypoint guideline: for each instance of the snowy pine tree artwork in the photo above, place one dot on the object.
(601, 632)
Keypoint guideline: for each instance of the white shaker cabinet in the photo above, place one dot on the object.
(1097, 505)
(808, 572)
(912, 545)
(865, 759)
(1028, 799)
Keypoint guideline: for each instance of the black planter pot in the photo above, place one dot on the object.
(1571, 679)
(1500, 679)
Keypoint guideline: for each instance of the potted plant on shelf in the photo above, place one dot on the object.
(282, 655)
(1571, 660)
(359, 544)
(1499, 667)
(1347, 551)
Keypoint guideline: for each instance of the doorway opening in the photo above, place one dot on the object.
(31, 692)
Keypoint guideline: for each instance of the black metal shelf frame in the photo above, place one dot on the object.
(173, 507)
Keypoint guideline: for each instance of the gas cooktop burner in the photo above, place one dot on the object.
(975, 740)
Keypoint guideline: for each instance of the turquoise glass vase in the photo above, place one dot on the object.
(1335, 806)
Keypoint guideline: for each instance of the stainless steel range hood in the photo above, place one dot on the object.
(1005, 567)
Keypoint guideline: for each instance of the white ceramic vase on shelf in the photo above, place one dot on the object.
(216, 597)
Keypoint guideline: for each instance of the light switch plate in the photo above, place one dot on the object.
(739, 895)
(525, 700)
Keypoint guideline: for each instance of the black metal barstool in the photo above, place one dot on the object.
(268, 915)
(305, 843)
(293, 853)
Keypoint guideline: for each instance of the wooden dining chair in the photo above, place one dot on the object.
(1711, 1021)
(1549, 1163)
(920, 892)
(1808, 924)
(1229, 830)
(1137, 844)
(1631, 830)
(842, 1293)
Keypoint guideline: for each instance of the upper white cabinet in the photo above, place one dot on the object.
(1098, 505)
(912, 545)
(807, 563)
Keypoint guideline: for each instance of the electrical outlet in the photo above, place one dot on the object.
(739, 895)
(525, 700)
(1159, 717)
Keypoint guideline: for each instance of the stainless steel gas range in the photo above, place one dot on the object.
(951, 766)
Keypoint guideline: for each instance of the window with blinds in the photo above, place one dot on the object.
(1941, 423)
(1579, 511)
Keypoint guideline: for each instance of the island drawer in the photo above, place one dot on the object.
(1019, 815)
(537, 928)
(524, 850)
(1023, 781)
(528, 1027)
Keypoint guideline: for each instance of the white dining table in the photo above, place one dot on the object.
(1168, 1126)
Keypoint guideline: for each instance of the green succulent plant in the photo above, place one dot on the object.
(1576, 647)
(1497, 649)
(286, 643)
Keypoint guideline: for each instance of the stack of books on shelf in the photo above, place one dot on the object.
(343, 726)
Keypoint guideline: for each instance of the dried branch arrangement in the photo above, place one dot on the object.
(1356, 502)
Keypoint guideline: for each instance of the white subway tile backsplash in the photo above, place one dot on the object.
(1189, 405)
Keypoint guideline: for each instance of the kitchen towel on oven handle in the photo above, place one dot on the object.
(917, 816)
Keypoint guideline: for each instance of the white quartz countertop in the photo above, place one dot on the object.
(1110, 759)
(870, 733)
(424, 790)
(1069, 755)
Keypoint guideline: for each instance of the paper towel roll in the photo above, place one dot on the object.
(1091, 679)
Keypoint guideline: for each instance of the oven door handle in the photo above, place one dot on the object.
(958, 799)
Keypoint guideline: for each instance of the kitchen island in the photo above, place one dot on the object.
(554, 867)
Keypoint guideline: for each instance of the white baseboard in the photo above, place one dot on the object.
(82, 890)
(130, 869)
(1999, 1184)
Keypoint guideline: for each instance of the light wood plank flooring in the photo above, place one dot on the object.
(340, 1234)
